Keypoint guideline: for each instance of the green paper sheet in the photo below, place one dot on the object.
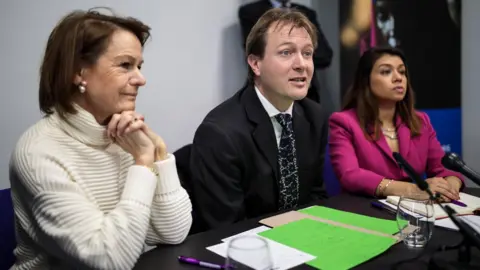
(334, 247)
(366, 222)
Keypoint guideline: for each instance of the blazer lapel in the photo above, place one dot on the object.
(263, 133)
(301, 128)
(383, 145)
(404, 138)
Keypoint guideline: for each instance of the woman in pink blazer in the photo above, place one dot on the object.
(378, 118)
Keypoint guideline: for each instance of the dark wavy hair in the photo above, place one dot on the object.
(361, 98)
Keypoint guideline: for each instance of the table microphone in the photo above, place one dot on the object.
(423, 185)
(453, 162)
(467, 231)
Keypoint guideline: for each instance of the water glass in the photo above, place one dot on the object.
(415, 220)
(249, 252)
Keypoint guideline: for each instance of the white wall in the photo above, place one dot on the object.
(471, 84)
(192, 63)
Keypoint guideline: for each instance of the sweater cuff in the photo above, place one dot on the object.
(168, 180)
(140, 185)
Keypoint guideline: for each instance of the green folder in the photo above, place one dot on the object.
(335, 247)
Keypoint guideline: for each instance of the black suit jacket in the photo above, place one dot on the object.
(234, 159)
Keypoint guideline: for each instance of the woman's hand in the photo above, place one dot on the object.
(160, 146)
(126, 129)
(446, 190)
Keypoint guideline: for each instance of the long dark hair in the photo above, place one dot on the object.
(361, 98)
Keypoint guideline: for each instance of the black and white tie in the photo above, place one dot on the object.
(287, 162)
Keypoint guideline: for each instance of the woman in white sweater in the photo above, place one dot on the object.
(91, 182)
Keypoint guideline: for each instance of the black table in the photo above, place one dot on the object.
(165, 256)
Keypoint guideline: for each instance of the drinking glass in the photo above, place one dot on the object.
(415, 220)
(249, 252)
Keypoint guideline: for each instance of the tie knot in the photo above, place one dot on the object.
(284, 119)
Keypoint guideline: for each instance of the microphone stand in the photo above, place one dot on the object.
(470, 238)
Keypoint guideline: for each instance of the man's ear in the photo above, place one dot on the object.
(255, 63)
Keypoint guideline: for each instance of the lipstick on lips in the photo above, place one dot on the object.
(399, 89)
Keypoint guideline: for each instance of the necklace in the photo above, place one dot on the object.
(393, 137)
(389, 129)
(386, 132)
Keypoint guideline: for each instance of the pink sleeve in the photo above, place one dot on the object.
(435, 153)
(344, 160)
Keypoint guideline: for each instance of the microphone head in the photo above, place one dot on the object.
(452, 161)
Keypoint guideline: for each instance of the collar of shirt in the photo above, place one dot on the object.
(271, 110)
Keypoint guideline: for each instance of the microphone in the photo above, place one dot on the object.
(467, 231)
(423, 185)
(453, 162)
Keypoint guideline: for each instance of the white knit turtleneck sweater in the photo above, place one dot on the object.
(81, 202)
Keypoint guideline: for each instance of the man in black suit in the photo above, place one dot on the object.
(249, 14)
(262, 150)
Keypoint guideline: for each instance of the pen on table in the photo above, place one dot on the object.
(193, 261)
(459, 203)
(381, 206)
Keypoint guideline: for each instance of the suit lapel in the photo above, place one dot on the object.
(263, 133)
(301, 128)
(404, 138)
(383, 145)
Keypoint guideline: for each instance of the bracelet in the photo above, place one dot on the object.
(381, 188)
(389, 181)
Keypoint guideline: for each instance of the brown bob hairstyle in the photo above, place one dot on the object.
(361, 98)
(77, 41)
(257, 38)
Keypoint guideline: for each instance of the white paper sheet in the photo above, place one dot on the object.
(394, 207)
(253, 231)
(283, 257)
(473, 221)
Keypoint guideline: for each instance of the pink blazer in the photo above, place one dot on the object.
(360, 164)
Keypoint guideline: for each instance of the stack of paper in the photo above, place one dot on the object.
(472, 203)
(473, 221)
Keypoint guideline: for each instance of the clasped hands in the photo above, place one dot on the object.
(447, 189)
(129, 131)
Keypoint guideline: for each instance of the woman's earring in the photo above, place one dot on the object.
(81, 87)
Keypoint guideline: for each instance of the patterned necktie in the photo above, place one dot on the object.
(287, 162)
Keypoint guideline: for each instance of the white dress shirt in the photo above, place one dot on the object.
(272, 111)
